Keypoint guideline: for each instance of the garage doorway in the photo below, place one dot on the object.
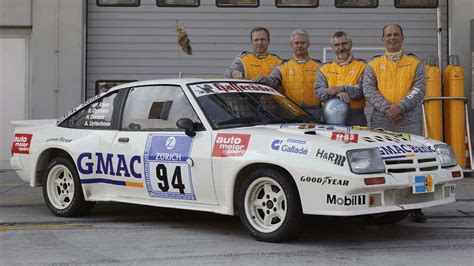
(14, 84)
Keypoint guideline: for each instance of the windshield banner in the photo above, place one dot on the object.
(203, 89)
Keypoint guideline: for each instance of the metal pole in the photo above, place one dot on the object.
(425, 124)
(440, 47)
(468, 136)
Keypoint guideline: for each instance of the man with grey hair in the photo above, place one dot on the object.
(295, 77)
(342, 78)
(394, 83)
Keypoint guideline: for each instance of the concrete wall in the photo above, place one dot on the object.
(15, 13)
(57, 57)
(56, 51)
(460, 13)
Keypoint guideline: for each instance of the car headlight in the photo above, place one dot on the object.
(446, 155)
(365, 161)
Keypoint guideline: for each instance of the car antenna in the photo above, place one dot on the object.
(180, 75)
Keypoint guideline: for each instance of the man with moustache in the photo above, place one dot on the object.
(253, 66)
(343, 78)
(394, 83)
(296, 77)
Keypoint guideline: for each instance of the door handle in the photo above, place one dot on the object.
(123, 139)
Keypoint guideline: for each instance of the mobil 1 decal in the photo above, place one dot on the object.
(167, 173)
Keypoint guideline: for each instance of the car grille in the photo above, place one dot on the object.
(411, 165)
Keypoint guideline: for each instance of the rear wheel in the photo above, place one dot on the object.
(388, 217)
(269, 206)
(62, 190)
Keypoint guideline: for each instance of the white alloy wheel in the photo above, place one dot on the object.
(62, 189)
(60, 186)
(265, 205)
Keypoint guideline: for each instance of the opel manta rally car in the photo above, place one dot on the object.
(229, 147)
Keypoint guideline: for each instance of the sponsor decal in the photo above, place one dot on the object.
(167, 172)
(334, 158)
(396, 136)
(423, 184)
(354, 200)
(345, 137)
(229, 144)
(334, 128)
(306, 126)
(21, 143)
(109, 164)
(327, 180)
(290, 145)
(402, 150)
(452, 189)
(230, 87)
(59, 139)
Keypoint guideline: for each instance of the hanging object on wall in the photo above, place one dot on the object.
(183, 40)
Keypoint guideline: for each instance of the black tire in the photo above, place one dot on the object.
(267, 223)
(62, 190)
(387, 218)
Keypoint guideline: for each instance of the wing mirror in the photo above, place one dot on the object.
(188, 126)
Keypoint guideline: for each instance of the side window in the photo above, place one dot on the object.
(156, 108)
(96, 115)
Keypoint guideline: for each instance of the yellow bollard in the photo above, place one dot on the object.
(454, 120)
(433, 108)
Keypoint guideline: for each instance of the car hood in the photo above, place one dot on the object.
(344, 138)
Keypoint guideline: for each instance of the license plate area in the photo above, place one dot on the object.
(423, 184)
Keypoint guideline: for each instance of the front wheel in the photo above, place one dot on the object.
(269, 206)
(62, 190)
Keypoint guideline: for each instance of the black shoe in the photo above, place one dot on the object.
(417, 216)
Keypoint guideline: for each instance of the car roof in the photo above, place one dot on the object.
(174, 81)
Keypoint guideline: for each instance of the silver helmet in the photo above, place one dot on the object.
(336, 112)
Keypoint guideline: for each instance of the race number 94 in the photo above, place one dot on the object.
(164, 178)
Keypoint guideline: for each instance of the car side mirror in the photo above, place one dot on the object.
(188, 126)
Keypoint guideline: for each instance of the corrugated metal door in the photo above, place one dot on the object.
(137, 43)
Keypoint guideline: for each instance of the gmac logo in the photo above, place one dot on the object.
(290, 145)
(334, 158)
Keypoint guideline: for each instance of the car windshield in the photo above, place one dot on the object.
(229, 104)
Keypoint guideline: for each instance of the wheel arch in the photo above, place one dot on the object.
(44, 158)
(244, 172)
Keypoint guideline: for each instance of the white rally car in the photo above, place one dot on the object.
(229, 147)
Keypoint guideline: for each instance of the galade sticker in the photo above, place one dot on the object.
(345, 137)
(204, 89)
(21, 143)
(230, 145)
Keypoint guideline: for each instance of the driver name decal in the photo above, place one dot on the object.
(228, 145)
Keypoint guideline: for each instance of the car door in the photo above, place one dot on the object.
(164, 163)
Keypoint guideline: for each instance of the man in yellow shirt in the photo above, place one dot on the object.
(394, 83)
(295, 77)
(253, 66)
(343, 78)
